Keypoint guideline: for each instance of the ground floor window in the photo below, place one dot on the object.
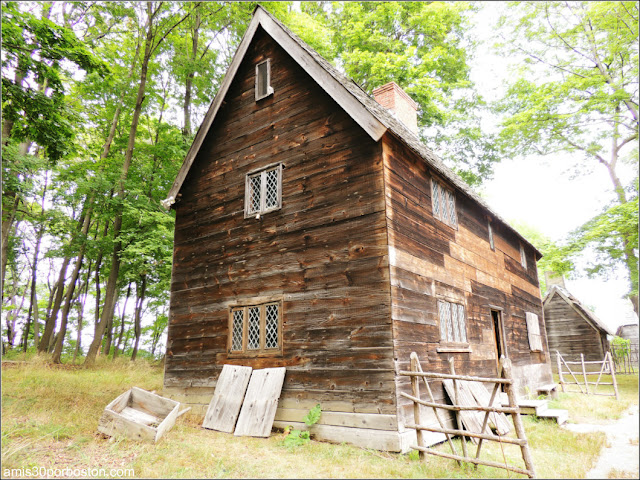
(453, 327)
(255, 329)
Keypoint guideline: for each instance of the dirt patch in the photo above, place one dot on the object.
(619, 459)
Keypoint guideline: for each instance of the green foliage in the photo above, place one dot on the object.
(297, 438)
(313, 416)
(577, 92)
(35, 50)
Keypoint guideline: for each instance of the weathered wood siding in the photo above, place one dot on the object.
(429, 259)
(325, 252)
(570, 334)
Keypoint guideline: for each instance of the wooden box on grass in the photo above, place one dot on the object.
(139, 415)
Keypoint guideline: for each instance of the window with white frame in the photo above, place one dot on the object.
(263, 191)
(444, 203)
(491, 242)
(453, 326)
(523, 258)
(533, 331)
(263, 80)
(256, 329)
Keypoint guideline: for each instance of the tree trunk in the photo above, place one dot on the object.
(140, 293)
(111, 289)
(122, 319)
(33, 301)
(52, 318)
(186, 131)
(80, 314)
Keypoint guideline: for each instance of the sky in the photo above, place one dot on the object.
(541, 192)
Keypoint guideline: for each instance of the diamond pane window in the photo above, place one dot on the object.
(271, 189)
(236, 334)
(263, 191)
(436, 199)
(452, 209)
(271, 326)
(254, 193)
(452, 322)
(253, 338)
(444, 204)
(256, 329)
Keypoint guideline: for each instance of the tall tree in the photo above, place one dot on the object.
(577, 92)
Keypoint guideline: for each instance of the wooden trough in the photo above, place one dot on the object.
(139, 415)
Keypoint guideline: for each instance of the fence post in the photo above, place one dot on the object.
(613, 375)
(560, 371)
(456, 402)
(517, 421)
(584, 373)
(415, 390)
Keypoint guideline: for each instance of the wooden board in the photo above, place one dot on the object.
(227, 399)
(261, 401)
(471, 420)
(498, 421)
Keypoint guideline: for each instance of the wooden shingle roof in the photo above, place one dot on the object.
(583, 311)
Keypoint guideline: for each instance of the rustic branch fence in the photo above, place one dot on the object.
(625, 358)
(505, 378)
(606, 367)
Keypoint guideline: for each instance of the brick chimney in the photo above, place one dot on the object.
(393, 98)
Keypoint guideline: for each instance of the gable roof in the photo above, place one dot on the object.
(371, 116)
(583, 311)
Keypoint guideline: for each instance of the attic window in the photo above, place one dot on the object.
(263, 191)
(444, 204)
(263, 80)
(453, 327)
(256, 329)
(523, 258)
(533, 329)
(491, 243)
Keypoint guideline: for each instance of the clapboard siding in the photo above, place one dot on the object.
(430, 259)
(324, 252)
(570, 334)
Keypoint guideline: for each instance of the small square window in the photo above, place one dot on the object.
(263, 191)
(444, 204)
(453, 326)
(263, 80)
(256, 329)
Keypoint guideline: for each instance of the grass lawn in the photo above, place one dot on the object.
(50, 416)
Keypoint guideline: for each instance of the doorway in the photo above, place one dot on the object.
(496, 317)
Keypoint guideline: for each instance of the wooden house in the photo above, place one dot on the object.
(573, 329)
(629, 332)
(315, 231)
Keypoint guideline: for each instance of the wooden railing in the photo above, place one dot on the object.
(505, 378)
(606, 367)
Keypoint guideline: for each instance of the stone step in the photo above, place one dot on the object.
(539, 408)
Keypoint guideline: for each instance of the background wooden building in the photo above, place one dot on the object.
(573, 329)
(314, 231)
(630, 332)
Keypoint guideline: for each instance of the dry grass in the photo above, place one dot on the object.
(50, 415)
(597, 408)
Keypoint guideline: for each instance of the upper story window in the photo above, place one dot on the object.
(263, 191)
(256, 329)
(453, 326)
(444, 203)
(491, 242)
(523, 257)
(263, 80)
